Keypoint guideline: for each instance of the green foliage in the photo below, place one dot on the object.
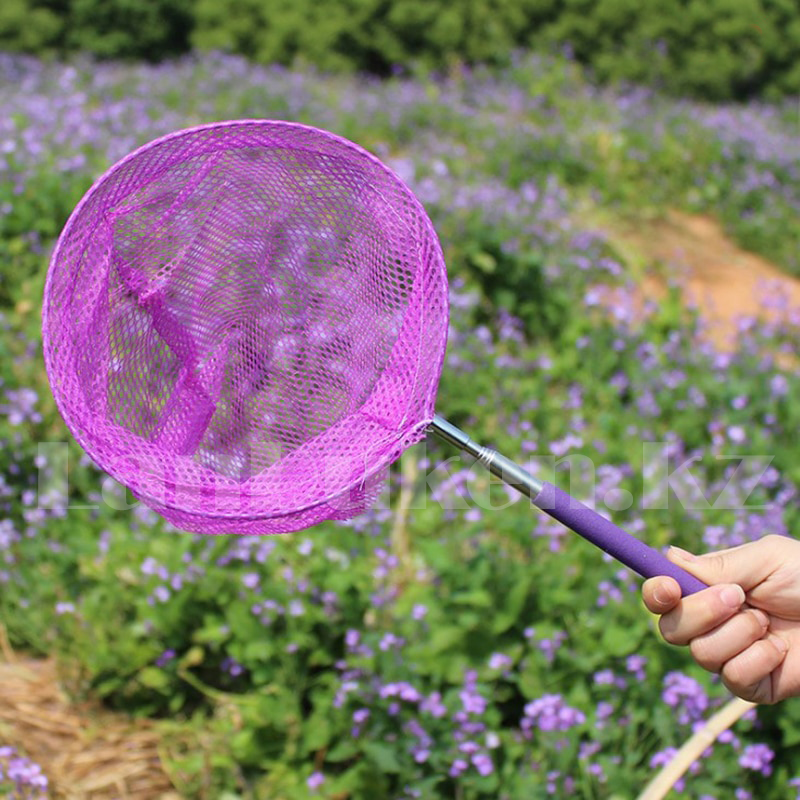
(256, 655)
(363, 34)
(151, 29)
(719, 50)
(29, 27)
(710, 49)
(713, 49)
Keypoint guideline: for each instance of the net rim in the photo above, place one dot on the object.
(406, 437)
(415, 433)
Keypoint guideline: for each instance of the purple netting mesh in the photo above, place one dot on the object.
(245, 323)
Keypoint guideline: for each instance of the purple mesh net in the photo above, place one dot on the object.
(245, 323)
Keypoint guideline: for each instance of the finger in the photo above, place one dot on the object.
(661, 594)
(700, 613)
(749, 674)
(712, 650)
(748, 565)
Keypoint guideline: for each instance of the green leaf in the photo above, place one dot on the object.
(789, 723)
(176, 702)
(485, 262)
(344, 750)
(153, 678)
(445, 639)
(382, 756)
(530, 684)
(193, 657)
(258, 651)
(215, 633)
(620, 641)
(317, 732)
(478, 598)
(243, 744)
(513, 604)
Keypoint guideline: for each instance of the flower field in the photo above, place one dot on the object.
(453, 642)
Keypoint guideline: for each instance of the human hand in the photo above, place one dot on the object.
(746, 626)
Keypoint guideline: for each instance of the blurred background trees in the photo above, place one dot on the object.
(711, 49)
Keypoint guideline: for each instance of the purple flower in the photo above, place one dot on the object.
(21, 406)
(149, 566)
(161, 593)
(419, 611)
(305, 547)
(552, 645)
(232, 667)
(598, 772)
(779, 385)
(329, 600)
(757, 757)
(165, 658)
(433, 705)
(729, 737)
(736, 434)
(472, 702)
(408, 693)
(551, 713)
(458, 766)
(588, 749)
(499, 661)
(360, 716)
(636, 664)
(483, 763)
(389, 641)
(607, 677)
(552, 781)
(602, 713)
(685, 695)
(250, 580)
(662, 758)
(24, 773)
(608, 591)
(315, 780)
(65, 608)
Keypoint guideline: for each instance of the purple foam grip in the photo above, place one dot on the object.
(632, 552)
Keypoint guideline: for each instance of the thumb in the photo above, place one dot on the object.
(747, 565)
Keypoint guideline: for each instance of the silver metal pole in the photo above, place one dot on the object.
(504, 468)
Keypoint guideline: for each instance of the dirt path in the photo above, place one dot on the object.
(85, 752)
(722, 280)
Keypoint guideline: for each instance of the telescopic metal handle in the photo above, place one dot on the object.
(640, 557)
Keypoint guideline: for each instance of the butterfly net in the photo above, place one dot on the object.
(244, 323)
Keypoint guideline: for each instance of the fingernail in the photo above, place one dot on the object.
(763, 619)
(661, 597)
(732, 596)
(683, 555)
(780, 644)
